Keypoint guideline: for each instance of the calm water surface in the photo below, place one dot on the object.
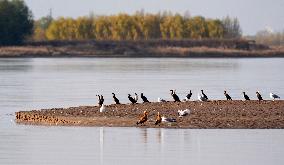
(34, 83)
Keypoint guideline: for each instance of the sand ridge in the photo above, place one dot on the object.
(211, 114)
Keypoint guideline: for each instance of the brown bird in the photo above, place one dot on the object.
(158, 119)
(143, 119)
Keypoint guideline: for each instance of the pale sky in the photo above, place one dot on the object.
(254, 15)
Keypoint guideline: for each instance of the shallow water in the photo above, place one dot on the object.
(34, 83)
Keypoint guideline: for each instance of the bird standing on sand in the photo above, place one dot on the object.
(258, 95)
(228, 97)
(115, 99)
(131, 99)
(100, 100)
(136, 97)
(144, 98)
(188, 96)
(201, 97)
(143, 119)
(158, 119)
(204, 95)
(274, 96)
(246, 96)
(175, 96)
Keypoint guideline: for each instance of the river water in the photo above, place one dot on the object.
(35, 83)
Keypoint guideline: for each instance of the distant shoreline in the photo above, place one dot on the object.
(143, 49)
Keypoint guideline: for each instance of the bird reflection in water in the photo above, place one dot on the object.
(144, 135)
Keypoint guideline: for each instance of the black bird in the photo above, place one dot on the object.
(144, 98)
(100, 100)
(188, 96)
(259, 96)
(204, 95)
(175, 96)
(246, 96)
(115, 99)
(228, 97)
(133, 101)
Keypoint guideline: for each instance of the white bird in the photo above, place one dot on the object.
(161, 100)
(274, 96)
(201, 97)
(182, 113)
(164, 119)
(136, 97)
(103, 108)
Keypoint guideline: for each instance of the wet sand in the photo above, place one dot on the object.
(211, 114)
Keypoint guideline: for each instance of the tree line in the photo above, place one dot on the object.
(17, 25)
(140, 26)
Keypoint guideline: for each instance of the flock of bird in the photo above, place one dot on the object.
(201, 97)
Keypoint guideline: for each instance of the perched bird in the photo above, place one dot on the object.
(274, 96)
(228, 97)
(143, 119)
(161, 100)
(103, 108)
(164, 119)
(204, 95)
(158, 119)
(258, 96)
(115, 99)
(246, 96)
(131, 99)
(175, 96)
(136, 97)
(144, 98)
(188, 96)
(201, 97)
(182, 113)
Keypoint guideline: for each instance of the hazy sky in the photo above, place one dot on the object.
(254, 15)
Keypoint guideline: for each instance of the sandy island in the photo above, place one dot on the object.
(211, 114)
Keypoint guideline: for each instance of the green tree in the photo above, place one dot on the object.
(16, 22)
(232, 27)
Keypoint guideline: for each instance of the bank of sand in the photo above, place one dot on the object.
(211, 114)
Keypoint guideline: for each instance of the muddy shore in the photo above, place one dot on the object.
(211, 114)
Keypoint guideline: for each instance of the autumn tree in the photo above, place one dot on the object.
(197, 27)
(215, 28)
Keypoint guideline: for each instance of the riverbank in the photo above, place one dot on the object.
(212, 114)
(153, 48)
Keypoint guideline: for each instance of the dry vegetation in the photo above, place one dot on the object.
(143, 48)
